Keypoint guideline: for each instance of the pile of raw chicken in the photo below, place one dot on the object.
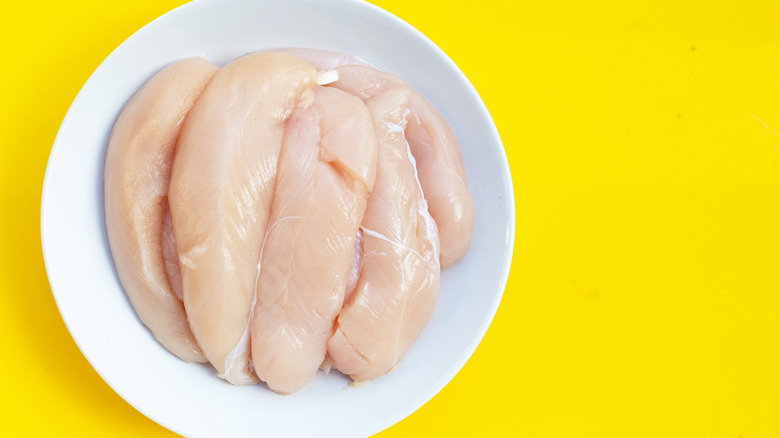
(287, 212)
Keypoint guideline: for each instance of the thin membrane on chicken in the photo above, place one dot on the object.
(327, 167)
(432, 141)
(437, 153)
(399, 280)
(137, 174)
(289, 212)
(220, 197)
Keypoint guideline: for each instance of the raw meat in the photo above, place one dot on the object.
(436, 150)
(273, 226)
(434, 145)
(220, 197)
(327, 167)
(399, 281)
(137, 174)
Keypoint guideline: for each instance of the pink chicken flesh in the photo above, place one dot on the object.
(436, 150)
(220, 197)
(399, 280)
(434, 145)
(299, 226)
(327, 168)
(137, 174)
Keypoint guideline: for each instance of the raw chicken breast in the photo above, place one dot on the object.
(443, 178)
(220, 197)
(439, 162)
(137, 174)
(399, 281)
(434, 145)
(327, 168)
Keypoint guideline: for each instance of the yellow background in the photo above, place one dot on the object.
(644, 143)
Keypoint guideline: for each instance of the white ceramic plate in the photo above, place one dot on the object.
(187, 398)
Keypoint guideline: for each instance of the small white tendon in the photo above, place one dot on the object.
(327, 77)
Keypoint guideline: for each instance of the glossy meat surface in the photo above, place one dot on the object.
(137, 174)
(399, 280)
(327, 168)
(220, 197)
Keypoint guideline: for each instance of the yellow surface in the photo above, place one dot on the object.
(644, 298)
